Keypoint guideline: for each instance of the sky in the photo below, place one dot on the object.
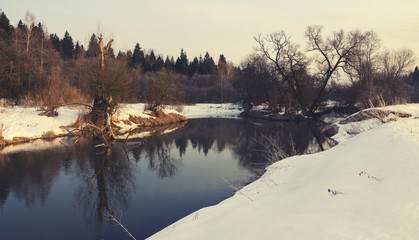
(218, 26)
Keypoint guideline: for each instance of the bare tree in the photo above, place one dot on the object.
(333, 53)
(292, 65)
(393, 66)
(225, 72)
(363, 67)
(102, 105)
(30, 23)
(160, 89)
(395, 63)
(288, 62)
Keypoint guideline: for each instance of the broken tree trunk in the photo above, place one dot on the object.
(102, 105)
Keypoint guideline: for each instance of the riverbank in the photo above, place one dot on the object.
(363, 188)
(23, 124)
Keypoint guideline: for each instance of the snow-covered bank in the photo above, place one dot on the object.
(364, 188)
(206, 110)
(26, 123)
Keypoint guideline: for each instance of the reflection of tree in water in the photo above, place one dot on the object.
(205, 133)
(106, 181)
(292, 137)
(29, 175)
(248, 139)
(156, 151)
(5, 177)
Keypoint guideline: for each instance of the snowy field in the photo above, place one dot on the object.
(26, 122)
(364, 188)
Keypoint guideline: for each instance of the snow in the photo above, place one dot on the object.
(373, 174)
(26, 121)
(205, 110)
(363, 188)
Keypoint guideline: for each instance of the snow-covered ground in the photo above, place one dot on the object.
(205, 110)
(364, 188)
(26, 122)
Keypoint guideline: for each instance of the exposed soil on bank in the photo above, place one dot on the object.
(146, 122)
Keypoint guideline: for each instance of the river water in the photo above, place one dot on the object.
(63, 190)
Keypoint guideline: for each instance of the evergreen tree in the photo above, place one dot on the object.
(172, 62)
(77, 51)
(38, 29)
(201, 68)
(209, 66)
(194, 67)
(5, 27)
(67, 46)
(150, 62)
(55, 40)
(168, 64)
(221, 60)
(21, 26)
(159, 63)
(415, 76)
(181, 65)
(93, 49)
(137, 58)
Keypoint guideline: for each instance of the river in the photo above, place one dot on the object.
(62, 190)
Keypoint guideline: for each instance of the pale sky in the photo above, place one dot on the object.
(218, 26)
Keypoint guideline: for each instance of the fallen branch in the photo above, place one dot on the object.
(235, 188)
(113, 219)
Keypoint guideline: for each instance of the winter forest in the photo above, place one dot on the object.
(350, 68)
(312, 130)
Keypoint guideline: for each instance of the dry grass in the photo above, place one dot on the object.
(55, 94)
(273, 151)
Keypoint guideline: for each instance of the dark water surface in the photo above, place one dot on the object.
(62, 190)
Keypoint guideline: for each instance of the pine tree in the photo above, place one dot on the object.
(5, 27)
(77, 51)
(209, 65)
(150, 62)
(168, 64)
(415, 75)
(159, 63)
(21, 26)
(93, 49)
(222, 59)
(181, 65)
(67, 46)
(194, 67)
(55, 40)
(137, 58)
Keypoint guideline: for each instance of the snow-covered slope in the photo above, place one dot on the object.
(364, 188)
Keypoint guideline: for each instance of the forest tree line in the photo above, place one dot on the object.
(37, 68)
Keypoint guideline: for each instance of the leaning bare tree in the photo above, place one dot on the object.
(293, 66)
(288, 62)
(333, 53)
